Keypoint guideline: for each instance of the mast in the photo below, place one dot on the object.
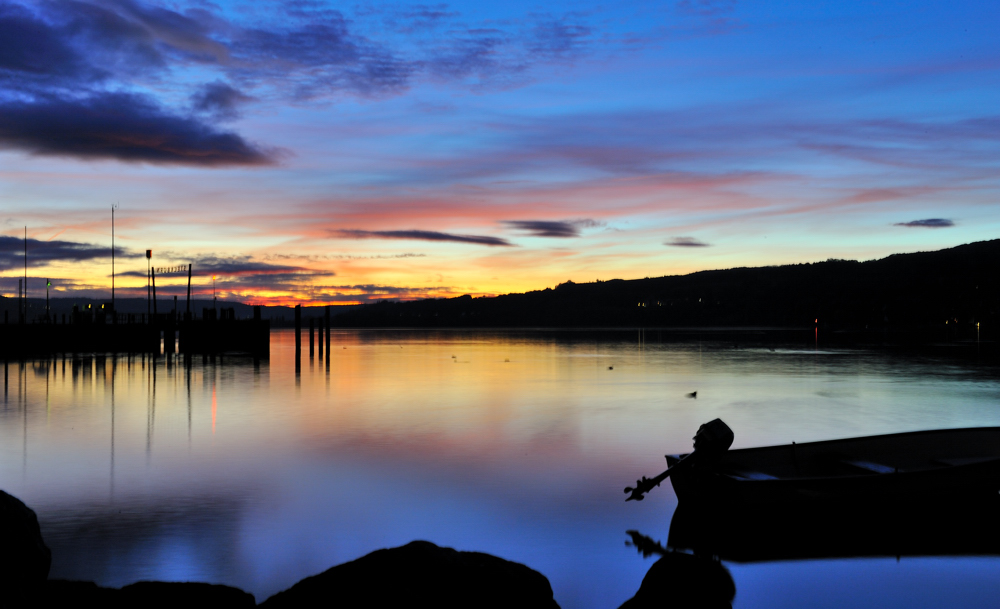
(113, 207)
(25, 274)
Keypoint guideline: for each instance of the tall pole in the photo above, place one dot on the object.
(214, 307)
(48, 282)
(189, 289)
(25, 274)
(149, 255)
(113, 207)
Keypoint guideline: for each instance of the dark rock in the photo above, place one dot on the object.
(58, 593)
(179, 594)
(67, 593)
(684, 581)
(421, 574)
(24, 557)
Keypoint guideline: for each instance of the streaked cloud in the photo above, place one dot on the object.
(237, 266)
(927, 223)
(421, 235)
(121, 126)
(219, 101)
(550, 228)
(685, 242)
(41, 253)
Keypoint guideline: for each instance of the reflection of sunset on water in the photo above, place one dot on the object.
(516, 444)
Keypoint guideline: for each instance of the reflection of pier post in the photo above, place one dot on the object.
(151, 412)
(320, 323)
(114, 363)
(170, 333)
(187, 372)
(298, 340)
(326, 314)
(24, 408)
(312, 327)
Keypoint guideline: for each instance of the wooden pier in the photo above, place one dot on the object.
(125, 333)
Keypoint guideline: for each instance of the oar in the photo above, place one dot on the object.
(713, 438)
(644, 485)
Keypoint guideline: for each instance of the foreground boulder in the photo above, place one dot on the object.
(684, 581)
(421, 574)
(24, 557)
(64, 593)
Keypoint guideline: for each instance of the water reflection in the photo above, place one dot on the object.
(240, 471)
(678, 579)
(934, 526)
(689, 571)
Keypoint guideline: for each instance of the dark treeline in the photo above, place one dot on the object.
(904, 293)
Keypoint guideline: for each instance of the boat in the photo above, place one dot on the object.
(932, 526)
(948, 463)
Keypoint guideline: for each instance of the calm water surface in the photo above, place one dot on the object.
(516, 444)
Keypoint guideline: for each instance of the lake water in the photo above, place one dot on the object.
(515, 444)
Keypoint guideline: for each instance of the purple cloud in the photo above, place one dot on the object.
(41, 253)
(927, 223)
(422, 235)
(685, 242)
(219, 100)
(550, 228)
(120, 126)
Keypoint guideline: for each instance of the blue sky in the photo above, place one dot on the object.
(334, 152)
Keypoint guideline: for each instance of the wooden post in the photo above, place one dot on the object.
(298, 342)
(298, 330)
(327, 315)
(320, 323)
(312, 328)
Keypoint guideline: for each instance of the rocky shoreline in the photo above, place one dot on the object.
(417, 574)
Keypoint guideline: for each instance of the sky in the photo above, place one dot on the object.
(335, 153)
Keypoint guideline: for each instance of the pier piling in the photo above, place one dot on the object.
(327, 315)
(298, 340)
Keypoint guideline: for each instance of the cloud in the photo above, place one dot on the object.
(318, 57)
(927, 223)
(121, 126)
(315, 257)
(549, 228)
(41, 253)
(421, 235)
(33, 52)
(293, 50)
(219, 100)
(559, 39)
(238, 276)
(716, 15)
(235, 266)
(685, 242)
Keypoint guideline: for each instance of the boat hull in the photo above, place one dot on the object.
(839, 529)
(960, 463)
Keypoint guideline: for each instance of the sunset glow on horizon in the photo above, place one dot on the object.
(336, 153)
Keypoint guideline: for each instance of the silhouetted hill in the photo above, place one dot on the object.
(901, 293)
